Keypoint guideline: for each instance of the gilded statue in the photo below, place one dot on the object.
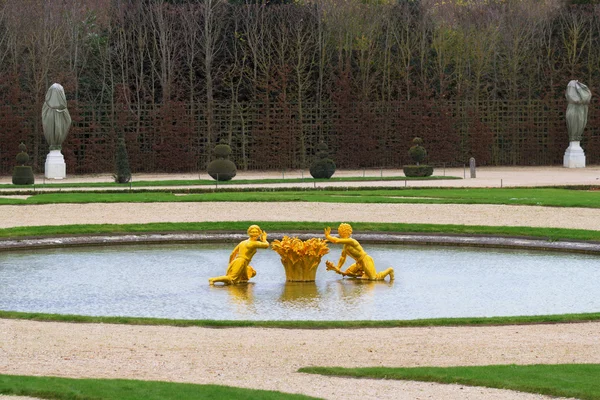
(364, 266)
(240, 270)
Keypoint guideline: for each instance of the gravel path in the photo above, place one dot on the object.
(466, 214)
(269, 358)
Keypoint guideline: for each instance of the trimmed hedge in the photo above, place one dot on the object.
(418, 170)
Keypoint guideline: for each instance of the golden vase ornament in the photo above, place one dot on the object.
(300, 258)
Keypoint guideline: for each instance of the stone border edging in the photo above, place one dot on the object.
(219, 237)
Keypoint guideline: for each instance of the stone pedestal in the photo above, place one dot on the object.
(55, 165)
(574, 156)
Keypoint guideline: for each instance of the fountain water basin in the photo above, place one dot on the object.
(169, 281)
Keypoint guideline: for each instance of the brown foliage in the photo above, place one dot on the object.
(472, 78)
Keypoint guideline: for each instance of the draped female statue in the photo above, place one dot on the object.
(56, 119)
(578, 95)
(56, 122)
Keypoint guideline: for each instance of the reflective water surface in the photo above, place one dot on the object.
(170, 281)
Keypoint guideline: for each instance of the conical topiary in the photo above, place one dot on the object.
(323, 167)
(23, 174)
(222, 169)
(123, 172)
(418, 154)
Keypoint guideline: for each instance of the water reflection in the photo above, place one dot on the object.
(356, 292)
(355, 288)
(241, 296)
(303, 292)
(242, 293)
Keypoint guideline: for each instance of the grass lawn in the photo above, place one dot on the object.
(508, 196)
(550, 234)
(565, 380)
(120, 389)
(475, 321)
(212, 182)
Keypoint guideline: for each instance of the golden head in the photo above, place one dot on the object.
(345, 230)
(254, 231)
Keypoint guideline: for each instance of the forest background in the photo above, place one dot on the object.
(473, 78)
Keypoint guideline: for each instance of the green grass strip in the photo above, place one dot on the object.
(551, 234)
(212, 182)
(507, 196)
(479, 321)
(121, 389)
(565, 380)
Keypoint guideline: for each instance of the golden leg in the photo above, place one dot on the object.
(381, 275)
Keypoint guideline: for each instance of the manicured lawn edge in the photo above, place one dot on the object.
(482, 321)
(48, 387)
(550, 234)
(209, 182)
(547, 197)
(563, 380)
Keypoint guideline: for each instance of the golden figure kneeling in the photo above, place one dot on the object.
(240, 270)
(364, 266)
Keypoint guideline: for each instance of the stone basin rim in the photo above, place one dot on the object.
(438, 239)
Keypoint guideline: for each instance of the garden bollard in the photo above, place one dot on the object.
(472, 167)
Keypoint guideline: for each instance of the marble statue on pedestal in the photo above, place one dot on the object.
(56, 122)
(578, 95)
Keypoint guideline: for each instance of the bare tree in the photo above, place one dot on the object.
(189, 15)
(212, 26)
(405, 35)
(164, 22)
(8, 40)
(132, 57)
(303, 53)
(324, 61)
(43, 40)
(234, 78)
(576, 37)
(83, 21)
(258, 39)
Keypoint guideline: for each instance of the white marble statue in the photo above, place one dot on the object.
(56, 122)
(578, 95)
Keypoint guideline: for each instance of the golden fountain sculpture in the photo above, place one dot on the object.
(364, 267)
(300, 258)
(240, 270)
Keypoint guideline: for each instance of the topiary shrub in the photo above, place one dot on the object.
(22, 174)
(123, 172)
(222, 169)
(323, 167)
(418, 170)
(418, 154)
(417, 151)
